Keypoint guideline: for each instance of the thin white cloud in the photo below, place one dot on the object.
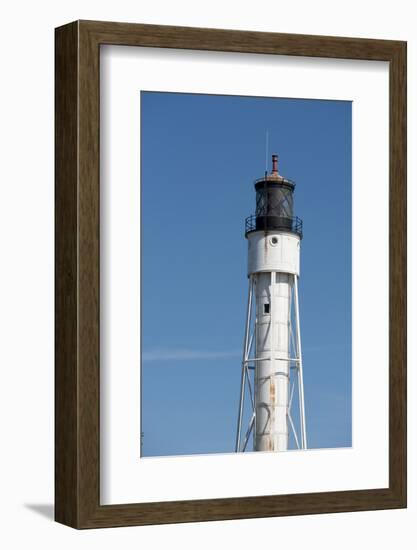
(186, 355)
(327, 347)
(191, 354)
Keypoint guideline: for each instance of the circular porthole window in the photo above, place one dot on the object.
(273, 241)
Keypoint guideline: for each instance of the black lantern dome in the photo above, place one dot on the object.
(274, 204)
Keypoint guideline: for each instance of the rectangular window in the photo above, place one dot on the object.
(266, 308)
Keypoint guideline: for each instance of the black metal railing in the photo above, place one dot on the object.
(281, 180)
(271, 223)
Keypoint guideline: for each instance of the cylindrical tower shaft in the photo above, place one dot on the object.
(273, 314)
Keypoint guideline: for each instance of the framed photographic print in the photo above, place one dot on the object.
(230, 274)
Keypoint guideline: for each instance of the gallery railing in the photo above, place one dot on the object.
(271, 223)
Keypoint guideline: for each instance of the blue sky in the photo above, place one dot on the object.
(199, 157)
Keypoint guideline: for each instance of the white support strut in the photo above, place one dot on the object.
(300, 370)
(244, 364)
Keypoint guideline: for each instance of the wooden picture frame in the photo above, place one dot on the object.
(77, 359)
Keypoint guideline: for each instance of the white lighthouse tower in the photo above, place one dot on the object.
(272, 366)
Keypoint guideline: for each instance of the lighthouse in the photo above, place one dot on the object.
(271, 404)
